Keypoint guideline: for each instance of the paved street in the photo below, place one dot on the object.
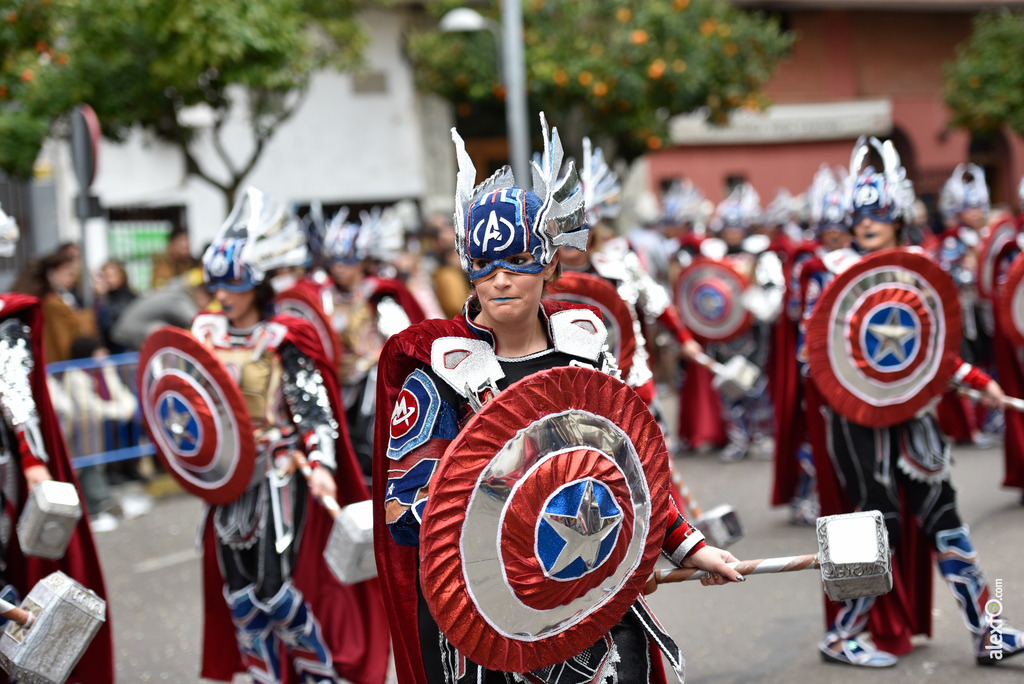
(764, 631)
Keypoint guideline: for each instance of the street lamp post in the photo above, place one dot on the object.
(511, 71)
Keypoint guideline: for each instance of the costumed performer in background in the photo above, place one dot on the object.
(272, 605)
(32, 450)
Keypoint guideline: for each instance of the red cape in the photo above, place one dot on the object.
(700, 409)
(404, 353)
(352, 616)
(396, 289)
(81, 561)
(786, 386)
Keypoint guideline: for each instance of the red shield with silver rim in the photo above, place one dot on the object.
(884, 337)
(584, 288)
(300, 302)
(1002, 232)
(709, 298)
(545, 519)
(1010, 303)
(195, 416)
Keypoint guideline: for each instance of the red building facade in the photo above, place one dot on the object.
(864, 67)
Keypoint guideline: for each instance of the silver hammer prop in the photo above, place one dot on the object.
(853, 556)
(349, 550)
(735, 378)
(50, 632)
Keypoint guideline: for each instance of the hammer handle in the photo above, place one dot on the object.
(328, 502)
(1009, 402)
(13, 612)
(761, 566)
(709, 363)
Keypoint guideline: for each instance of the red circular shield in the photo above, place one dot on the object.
(299, 301)
(595, 291)
(884, 337)
(709, 299)
(195, 416)
(1002, 231)
(545, 519)
(1010, 303)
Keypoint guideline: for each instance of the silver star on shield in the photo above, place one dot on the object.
(176, 423)
(891, 335)
(582, 533)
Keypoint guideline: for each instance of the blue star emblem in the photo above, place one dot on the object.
(578, 529)
(892, 334)
(709, 301)
(179, 424)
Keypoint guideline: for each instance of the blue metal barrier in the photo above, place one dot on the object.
(98, 409)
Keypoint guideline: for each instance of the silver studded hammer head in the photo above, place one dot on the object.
(853, 550)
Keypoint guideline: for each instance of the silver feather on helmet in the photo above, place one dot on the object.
(959, 193)
(561, 219)
(827, 199)
(265, 237)
(741, 209)
(684, 203)
(9, 234)
(601, 187)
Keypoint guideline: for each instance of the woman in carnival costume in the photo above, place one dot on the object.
(265, 605)
(32, 450)
(902, 470)
(507, 239)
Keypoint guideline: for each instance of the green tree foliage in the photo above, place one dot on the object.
(984, 84)
(28, 34)
(624, 65)
(141, 63)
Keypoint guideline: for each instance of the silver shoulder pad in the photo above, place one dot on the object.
(468, 366)
(391, 317)
(579, 332)
(16, 364)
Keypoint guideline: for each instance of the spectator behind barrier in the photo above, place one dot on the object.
(176, 304)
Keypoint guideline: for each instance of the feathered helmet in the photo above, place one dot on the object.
(828, 201)
(9, 234)
(959, 193)
(886, 196)
(257, 237)
(601, 187)
(741, 209)
(684, 203)
(497, 219)
(781, 209)
(378, 235)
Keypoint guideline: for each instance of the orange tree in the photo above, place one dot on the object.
(625, 66)
(28, 31)
(984, 84)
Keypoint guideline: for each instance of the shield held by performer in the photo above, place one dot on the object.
(883, 340)
(566, 475)
(196, 417)
(709, 296)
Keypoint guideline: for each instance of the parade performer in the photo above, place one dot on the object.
(685, 212)
(364, 309)
(434, 375)
(1004, 298)
(32, 450)
(964, 204)
(901, 469)
(748, 420)
(270, 598)
(794, 477)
